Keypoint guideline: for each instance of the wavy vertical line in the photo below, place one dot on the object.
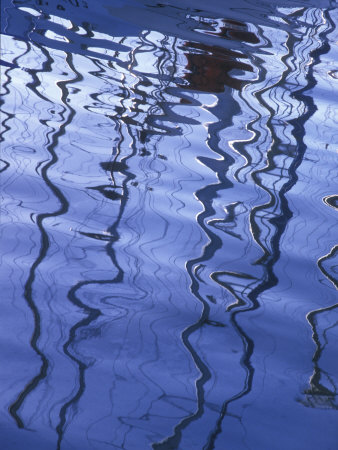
(333, 252)
(317, 389)
(127, 245)
(279, 224)
(9, 116)
(135, 133)
(94, 313)
(53, 138)
(205, 196)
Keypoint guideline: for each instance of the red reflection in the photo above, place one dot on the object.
(210, 69)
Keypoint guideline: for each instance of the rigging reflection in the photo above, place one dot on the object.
(138, 294)
(322, 392)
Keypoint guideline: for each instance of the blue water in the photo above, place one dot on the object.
(169, 255)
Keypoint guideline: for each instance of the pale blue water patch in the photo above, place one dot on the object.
(168, 225)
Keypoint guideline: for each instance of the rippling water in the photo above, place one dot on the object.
(168, 218)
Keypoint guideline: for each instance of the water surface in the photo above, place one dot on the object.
(168, 225)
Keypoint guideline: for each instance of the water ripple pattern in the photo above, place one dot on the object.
(168, 225)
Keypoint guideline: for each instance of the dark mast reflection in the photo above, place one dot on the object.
(211, 69)
(54, 136)
(277, 220)
(144, 135)
(275, 217)
(323, 391)
(207, 73)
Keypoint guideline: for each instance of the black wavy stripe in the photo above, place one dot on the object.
(278, 223)
(53, 137)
